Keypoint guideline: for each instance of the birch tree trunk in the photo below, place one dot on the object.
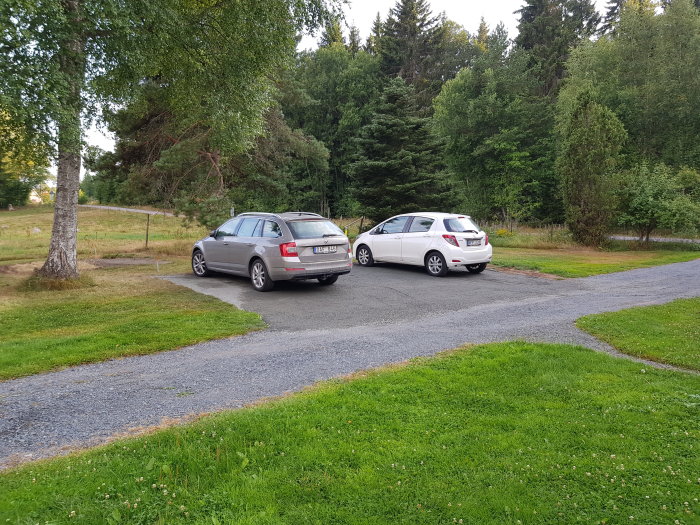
(62, 261)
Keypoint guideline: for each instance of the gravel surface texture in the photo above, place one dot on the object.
(371, 317)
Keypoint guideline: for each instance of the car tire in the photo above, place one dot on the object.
(259, 276)
(364, 256)
(476, 268)
(199, 265)
(327, 281)
(435, 264)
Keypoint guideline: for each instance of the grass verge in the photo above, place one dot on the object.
(667, 333)
(584, 262)
(126, 312)
(500, 433)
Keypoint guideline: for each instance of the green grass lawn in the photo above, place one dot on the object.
(25, 234)
(128, 312)
(668, 333)
(583, 262)
(500, 433)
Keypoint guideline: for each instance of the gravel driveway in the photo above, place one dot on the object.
(371, 317)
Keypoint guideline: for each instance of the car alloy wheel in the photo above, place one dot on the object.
(364, 256)
(435, 264)
(199, 265)
(258, 276)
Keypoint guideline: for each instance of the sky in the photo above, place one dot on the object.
(361, 13)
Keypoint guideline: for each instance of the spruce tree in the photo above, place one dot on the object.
(332, 34)
(409, 45)
(373, 44)
(354, 44)
(612, 17)
(549, 28)
(399, 168)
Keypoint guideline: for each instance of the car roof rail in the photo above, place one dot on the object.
(302, 214)
(257, 213)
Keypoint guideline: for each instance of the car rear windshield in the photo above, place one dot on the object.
(460, 225)
(310, 229)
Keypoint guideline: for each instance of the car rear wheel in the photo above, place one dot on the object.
(199, 265)
(364, 256)
(259, 277)
(476, 268)
(435, 264)
(325, 281)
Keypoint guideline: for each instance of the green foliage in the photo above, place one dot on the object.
(655, 197)
(548, 29)
(399, 167)
(591, 139)
(497, 132)
(492, 434)
(646, 72)
(336, 94)
(23, 164)
(668, 333)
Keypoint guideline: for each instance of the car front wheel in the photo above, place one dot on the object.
(364, 256)
(199, 265)
(259, 277)
(476, 268)
(435, 264)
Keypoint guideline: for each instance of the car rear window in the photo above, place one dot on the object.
(460, 225)
(310, 229)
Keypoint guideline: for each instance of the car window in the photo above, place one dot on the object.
(310, 229)
(228, 228)
(460, 224)
(271, 229)
(395, 225)
(248, 227)
(258, 229)
(421, 224)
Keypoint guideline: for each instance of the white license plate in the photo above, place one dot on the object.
(473, 242)
(325, 249)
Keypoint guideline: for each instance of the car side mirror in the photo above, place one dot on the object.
(212, 233)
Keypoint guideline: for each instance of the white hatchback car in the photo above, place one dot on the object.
(438, 241)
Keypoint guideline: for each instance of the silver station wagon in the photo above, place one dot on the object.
(269, 247)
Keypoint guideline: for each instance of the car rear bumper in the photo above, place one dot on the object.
(458, 257)
(301, 271)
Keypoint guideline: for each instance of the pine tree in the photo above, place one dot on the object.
(399, 168)
(482, 35)
(549, 28)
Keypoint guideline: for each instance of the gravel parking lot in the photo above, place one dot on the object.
(369, 318)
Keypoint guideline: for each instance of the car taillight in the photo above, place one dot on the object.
(486, 239)
(288, 249)
(451, 239)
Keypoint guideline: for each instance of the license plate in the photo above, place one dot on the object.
(473, 242)
(325, 249)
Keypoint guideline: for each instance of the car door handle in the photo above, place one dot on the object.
(250, 244)
(426, 235)
(226, 244)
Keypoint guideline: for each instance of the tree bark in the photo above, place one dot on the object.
(62, 261)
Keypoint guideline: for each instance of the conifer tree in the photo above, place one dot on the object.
(549, 28)
(409, 45)
(332, 34)
(373, 44)
(399, 168)
(354, 44)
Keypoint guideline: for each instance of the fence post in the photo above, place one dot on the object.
(148, 224)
